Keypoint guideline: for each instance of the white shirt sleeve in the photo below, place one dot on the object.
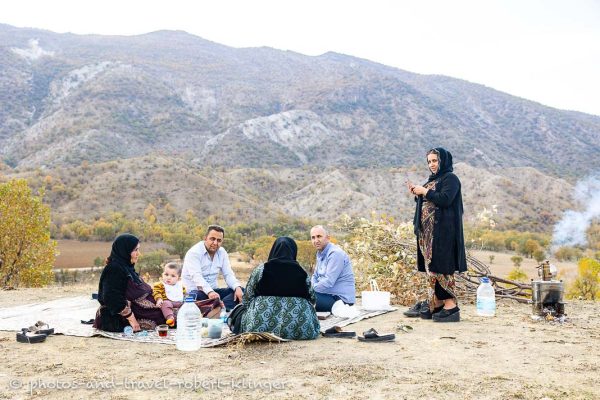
(192, 272)
(228, 274)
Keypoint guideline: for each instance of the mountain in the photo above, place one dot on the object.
(66, 99)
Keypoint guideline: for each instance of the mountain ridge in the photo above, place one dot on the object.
(172, 92)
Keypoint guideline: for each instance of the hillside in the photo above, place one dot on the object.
(66, 99)
(174, 186)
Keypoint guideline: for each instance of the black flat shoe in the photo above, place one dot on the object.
(426, 314)
(415, 310)
(337, 332)
(451, 315)
(373, 336)
(29, 337)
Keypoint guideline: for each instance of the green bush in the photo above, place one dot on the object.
(152, 263)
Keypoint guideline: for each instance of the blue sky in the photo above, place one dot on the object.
(542, 50)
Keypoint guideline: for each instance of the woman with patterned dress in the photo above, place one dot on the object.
(439, 230)
(279, 297)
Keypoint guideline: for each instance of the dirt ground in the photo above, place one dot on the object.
(509, 356)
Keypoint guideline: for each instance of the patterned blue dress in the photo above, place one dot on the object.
(287, 317)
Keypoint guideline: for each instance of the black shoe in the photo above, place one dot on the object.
(451, 315)
(415, 310)
(426, 314)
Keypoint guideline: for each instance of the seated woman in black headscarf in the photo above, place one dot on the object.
(279, 297)
(125, 299)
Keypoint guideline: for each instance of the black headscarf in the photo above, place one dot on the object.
(444, 167)
(282, 274)
(120, 254)
(444, 163)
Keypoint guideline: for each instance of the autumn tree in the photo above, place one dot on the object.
(587, 284)
(150, 213)
(306, 255)
(517, 260)
(26, 252)
(180, 242)
(539, 255)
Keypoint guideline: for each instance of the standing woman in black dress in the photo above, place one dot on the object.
(439, 230)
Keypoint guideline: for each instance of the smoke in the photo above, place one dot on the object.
(570, 230)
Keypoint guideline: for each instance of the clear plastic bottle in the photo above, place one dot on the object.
(486, 298)
(187, 337)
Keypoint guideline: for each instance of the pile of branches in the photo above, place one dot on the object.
(387, 252)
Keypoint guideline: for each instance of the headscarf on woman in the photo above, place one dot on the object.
(120, 255)
(444, 166)
(282, 275)
(444, 163)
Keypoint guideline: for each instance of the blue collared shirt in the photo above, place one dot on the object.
(333, 274)
(201, 272)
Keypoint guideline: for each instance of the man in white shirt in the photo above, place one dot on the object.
(201, 266)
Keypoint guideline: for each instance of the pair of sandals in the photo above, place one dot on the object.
(370, 335)
(35, 334)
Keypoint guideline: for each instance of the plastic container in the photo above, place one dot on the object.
(486, 298)
(128, 331)
(215, 328)
(375, 301)
(188, 326)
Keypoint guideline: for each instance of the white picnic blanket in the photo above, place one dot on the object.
(363, 314)
(65, 316)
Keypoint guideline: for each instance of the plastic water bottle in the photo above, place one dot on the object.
(223, 315)
(187, 337)
(128, 331)
(486, 298)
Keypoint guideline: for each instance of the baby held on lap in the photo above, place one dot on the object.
(169, 292)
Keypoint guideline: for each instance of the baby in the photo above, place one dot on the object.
(169, 292)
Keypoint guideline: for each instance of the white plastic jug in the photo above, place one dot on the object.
(486, 298)
(188, 326)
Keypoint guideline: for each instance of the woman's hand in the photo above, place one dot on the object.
(419, 190)
(134, 324)
(410, 186)
(159, 303)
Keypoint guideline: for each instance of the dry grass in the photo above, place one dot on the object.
(76, 254)
(502, 265)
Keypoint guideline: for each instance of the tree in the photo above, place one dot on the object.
(306, 255)
(516, 260)
(530, 247)
(180, 243)
(587, 284)
(539, 255)
(27, 253)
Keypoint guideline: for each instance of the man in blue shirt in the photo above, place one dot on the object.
(333, 278)
(201, 266)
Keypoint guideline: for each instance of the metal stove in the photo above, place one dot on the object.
(547, 292)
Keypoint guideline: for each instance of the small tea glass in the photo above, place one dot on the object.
(162, 330)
